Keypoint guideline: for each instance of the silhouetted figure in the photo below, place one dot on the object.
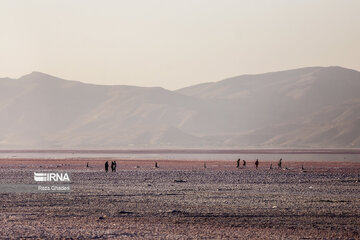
(204, 164)
(106, 166)
(238, 163)
(87, 164)
(156, 165)
(302, 167)
(244, 163)
(279, 163)
(114, 166)
(270, 166)
(257, 163)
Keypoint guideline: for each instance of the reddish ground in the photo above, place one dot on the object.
(184, 200)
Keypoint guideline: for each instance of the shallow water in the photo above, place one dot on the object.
(297, 157)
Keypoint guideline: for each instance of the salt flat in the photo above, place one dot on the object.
(184, 200)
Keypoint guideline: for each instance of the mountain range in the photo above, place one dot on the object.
(313, 107)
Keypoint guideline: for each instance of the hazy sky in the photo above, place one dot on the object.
(174, 44)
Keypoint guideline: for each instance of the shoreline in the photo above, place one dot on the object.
(193, 151)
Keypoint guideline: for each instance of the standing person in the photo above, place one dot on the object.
(279, 163)
(156, 165)
(238, 163)
(257, 163)
(106, 166)
(270, 166)
(244, 163)
(114, 166)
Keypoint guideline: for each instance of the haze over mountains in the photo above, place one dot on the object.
(315, 107)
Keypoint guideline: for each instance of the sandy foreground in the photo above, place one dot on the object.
(183, 200)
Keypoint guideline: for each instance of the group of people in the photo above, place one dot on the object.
(113, 166)
(238, 163)
(256, 163)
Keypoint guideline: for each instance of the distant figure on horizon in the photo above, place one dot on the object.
(87, 164)
(302, 167)
(279, 163)
(113, 166)
(204, 164)
(257, 163)
(238, 163)
(156, 165)
(106, 166)
(270, 166)
(244, 163)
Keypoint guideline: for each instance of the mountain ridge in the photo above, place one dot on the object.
(306, 107)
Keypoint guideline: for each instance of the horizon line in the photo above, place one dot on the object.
(234, 76)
